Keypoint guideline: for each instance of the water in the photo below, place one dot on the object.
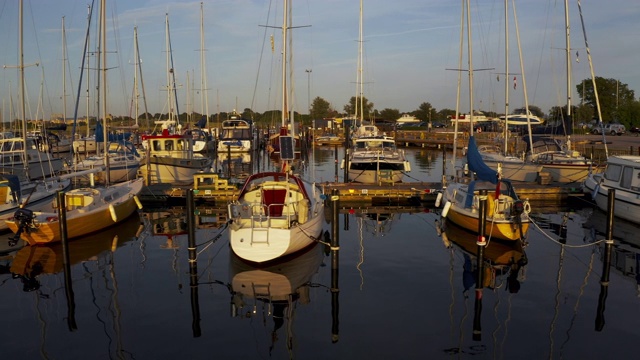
(399, 292)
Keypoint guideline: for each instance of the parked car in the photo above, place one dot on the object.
(634, 130)
(610, 129)
(436, 124)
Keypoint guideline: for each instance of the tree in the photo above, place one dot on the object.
(350, 108)
(320, 108)
(390, 114)
(425, 112)
(612, 95)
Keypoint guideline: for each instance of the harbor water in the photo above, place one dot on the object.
(398, 287)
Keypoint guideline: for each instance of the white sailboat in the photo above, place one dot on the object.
(512, 167)
(374, 157)
(558, 158)
(277, 213)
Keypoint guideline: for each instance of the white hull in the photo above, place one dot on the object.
(262, 243)
(626, 203)
(234, 146)
(517, 171)
(169, 173)
(375, 177)
(275, 215)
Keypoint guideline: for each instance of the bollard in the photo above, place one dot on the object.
(335, 159)
(66, 263)
(606, 261)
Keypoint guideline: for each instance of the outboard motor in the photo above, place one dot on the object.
(518, 210)
(24, 219)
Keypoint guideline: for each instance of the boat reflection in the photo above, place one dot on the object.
(500, 259)
(33, 261)
(273, 291)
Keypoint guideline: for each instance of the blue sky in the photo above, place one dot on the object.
(408, 46)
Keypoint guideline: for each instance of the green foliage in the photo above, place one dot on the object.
(390, 114)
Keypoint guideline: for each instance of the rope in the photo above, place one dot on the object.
(558, 242)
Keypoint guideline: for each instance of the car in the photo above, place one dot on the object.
(610, 129)
(635, 130)
(436, 125)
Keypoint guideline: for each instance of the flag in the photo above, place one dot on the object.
(577, 57)
(514, 83)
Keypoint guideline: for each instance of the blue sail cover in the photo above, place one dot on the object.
(110, 137)
(477, 165)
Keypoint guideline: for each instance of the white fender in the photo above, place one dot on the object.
(407, 166)
(594, 194)
(438, 199)
(445, 209)
(112, 210)
(135, 198)
(342, 164)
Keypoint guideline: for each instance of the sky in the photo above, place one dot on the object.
(408, 47)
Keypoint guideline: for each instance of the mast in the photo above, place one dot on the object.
(284, 64)
(505, 147)
(64, 73)
(139, 68)
(103, 56)
(22, 92)
(136, 95)
(470, 64)
(204, 98)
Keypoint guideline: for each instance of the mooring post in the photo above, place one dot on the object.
(193, 264)
(347, 142)
(335, 262)
(606, 263)
(66, 263)
(481, 242)
(335, 160)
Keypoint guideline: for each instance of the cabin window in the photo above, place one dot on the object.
(613, 172)
(168, 145)
(181, 145)
(157, 146)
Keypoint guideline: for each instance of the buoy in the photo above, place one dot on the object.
(112, 210)
(438, 199)
(135, 197)
(445, 209)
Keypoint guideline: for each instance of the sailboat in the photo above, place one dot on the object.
(277, 213)
(512, 167)
(34, 188)
(87, 210)
(169, 155)
(558, 158)
(374, 157)
(506, 216)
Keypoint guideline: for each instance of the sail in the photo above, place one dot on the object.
(477, 165)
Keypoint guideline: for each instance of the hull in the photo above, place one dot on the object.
(234, 146)
(567, 173)
(501, 218)
(374, 176)
(173, 171)
(626, 204)
(97, 215)
(494, 230)
(39, 200)
(516, 171)
(261, 243)
(275, 215)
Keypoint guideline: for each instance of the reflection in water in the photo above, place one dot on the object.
(494, 266)
(274, 291)
(33, 265)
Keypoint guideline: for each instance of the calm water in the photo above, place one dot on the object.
(401, 291)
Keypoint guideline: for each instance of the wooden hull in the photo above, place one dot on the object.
(39, 200)
(100, 214)
(494, 230)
